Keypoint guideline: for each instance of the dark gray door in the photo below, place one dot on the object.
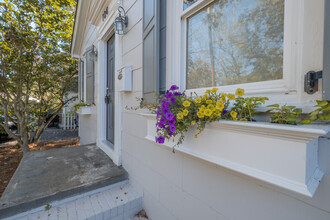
(110, 98)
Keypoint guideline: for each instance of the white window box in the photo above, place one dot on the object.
(283, 155)
(85, 110)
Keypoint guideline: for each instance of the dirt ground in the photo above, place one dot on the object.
(11, 155)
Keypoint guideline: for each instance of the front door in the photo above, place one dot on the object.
(110, 98)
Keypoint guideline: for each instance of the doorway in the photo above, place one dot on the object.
(110, 90)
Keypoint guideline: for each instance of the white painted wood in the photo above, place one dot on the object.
(282, 155)
(93, 206)
(85, 110)
(126, 82)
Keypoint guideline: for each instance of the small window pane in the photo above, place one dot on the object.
(235, 41)
(187, 3)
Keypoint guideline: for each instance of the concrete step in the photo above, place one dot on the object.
(120, 203)
(54, 175)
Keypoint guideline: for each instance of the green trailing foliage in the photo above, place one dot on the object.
(77, 106)
(322, 112)
(48, 207)
(246, 107)
(284, 114)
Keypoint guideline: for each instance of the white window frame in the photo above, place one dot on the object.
(296, 60)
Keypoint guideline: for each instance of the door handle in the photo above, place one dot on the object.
(107, 98)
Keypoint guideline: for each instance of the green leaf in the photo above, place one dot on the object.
(321, 103)
(291, 119)
(314, 113)
(306, 121)
(273, 106)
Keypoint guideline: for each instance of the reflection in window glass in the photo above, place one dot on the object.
(235, 41)
(187, 3)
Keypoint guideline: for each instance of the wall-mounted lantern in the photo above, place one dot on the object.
(93, 53)
(121, 22)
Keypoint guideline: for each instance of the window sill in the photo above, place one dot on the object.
(85, 110)
(283, 155)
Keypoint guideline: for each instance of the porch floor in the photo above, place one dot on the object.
(46, 176)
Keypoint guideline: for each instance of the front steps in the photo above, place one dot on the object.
(120, 203)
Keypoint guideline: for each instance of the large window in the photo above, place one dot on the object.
(235, 41)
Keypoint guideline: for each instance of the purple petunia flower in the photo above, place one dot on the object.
(169, 116)
(224, 112)
(162, 120)
(177, 94)
(172, 128)
(168, 95)
(165, 105)
(166, 110)
(173, 100)
(174, 87)
(160, 140)
(170, 133)
(160, 125)
(171, 122)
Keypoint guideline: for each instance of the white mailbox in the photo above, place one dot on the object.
(125, 82)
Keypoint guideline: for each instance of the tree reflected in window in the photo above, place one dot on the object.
(187, 3)
(235, 41)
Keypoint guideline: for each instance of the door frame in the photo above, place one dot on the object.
(112, 150)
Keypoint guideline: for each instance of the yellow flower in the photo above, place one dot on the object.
(239, 92)
(179, 116)
(220, 106)
(214, 90)
(231, 96)
(210, 106)
(195, 136)
(223, 95)
(198, 100)
(200, 114)
(202, 111)
(185, 112)
(207, 91)
(203, 107)
(193, 122)
(217, 113)
(233, 114)
(208, 112)
(205, 96)
(209, 101)
(186, 103)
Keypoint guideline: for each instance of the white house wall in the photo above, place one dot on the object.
(179, 186)
(88, 123)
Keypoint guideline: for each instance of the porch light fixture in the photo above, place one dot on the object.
(93, 53)
(121, 22)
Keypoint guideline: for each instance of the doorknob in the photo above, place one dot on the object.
(107, 99)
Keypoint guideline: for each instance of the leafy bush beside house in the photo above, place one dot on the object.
(35, 63)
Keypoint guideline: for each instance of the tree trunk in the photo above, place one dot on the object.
(25, 146)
